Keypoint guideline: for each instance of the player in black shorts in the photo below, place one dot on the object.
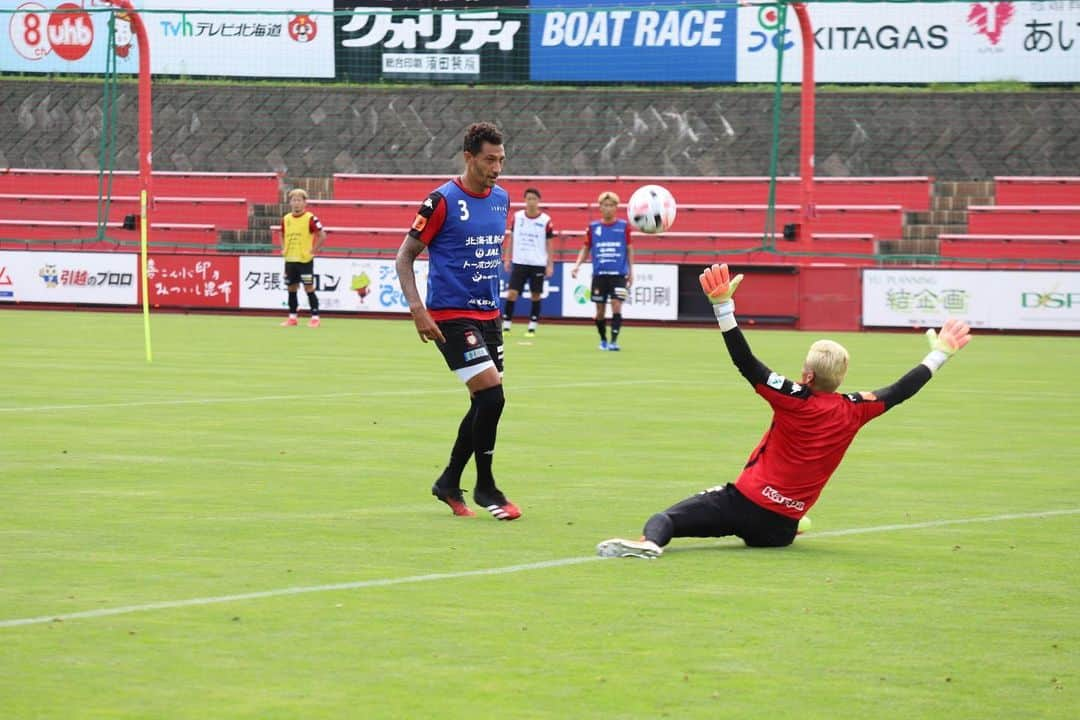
(608, 287)
(300, 272)
(608, 241)
(528, 258)
(461, 226)
(471, 343)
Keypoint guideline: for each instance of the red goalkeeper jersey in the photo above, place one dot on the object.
(805, 442)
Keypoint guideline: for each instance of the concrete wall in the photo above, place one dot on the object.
(319, 130)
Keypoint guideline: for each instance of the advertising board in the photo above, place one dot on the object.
(68, 277)
(1013, 300)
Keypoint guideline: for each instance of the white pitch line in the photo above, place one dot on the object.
(939, 523)
(279, 398)
(384, 582)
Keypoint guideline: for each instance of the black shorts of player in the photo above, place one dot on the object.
(533, 273)
(608, 286)
(472, 342)
(723, 511)
(297, 273)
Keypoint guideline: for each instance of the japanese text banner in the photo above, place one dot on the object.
(452, 41)
(941, 42)
(1020, 300)
(68, 277)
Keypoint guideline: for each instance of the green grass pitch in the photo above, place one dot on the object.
(242, 529)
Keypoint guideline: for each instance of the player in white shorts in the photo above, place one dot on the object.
(527, 256)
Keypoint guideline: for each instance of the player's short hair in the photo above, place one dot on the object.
(479, 133)
(607, 195)
(298, 192)
(829, 362)
(534, 191)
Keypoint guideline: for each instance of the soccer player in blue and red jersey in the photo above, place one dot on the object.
(461, 225)
(811, 429)
(612, 266)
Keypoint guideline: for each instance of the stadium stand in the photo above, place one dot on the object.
(1038, 249)
(1035, 219)
(223, 212)
(253, 187)
(912, 193)
(1024, 219)
(884, 221)
(670, 247)
(37, 234)
(1011, 190)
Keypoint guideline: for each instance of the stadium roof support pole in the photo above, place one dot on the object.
(146, 130)
(806, 122)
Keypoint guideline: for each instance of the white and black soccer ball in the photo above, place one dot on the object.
(651, 209)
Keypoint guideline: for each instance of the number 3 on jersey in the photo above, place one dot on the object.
(464, 210)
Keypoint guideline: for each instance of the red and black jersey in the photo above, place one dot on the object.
(809, 432)
(464, 234)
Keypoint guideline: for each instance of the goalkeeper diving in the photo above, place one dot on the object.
(811, 428)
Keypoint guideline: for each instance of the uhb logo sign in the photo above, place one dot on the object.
(35, 31)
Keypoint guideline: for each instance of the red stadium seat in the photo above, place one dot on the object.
(253, 187)
(222, 212)
(60, 234)
(1024, 219)
(912, 193)
(883, 221)
(1029, 248)
(1010, 190)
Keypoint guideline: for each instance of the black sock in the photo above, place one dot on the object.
(460, 453)
(534, 311)
(508, 310)
(294, 302)
(313, 302)
(601, 326)
(659, 529)
(488, 404)
(616, 326)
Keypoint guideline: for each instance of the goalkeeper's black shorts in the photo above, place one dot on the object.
(723, 511)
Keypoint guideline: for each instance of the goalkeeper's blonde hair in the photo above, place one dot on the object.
(829, 362)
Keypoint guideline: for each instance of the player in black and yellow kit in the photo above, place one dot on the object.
(299, 230)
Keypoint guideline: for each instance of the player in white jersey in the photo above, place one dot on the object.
(527, 255)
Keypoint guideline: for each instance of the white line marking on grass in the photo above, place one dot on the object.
(279, 398)
(385, 582)
(937, 523)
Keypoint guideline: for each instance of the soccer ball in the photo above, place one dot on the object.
(651, 209)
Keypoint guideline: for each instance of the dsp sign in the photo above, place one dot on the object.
(638, 41)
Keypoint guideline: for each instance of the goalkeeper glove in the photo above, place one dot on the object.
(719, 287)
(954, 335)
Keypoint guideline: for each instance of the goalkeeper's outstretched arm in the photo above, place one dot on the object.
(953, 336)
(719, 287)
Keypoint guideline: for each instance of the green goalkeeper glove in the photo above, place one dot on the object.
(953, 336)
(719, 286)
